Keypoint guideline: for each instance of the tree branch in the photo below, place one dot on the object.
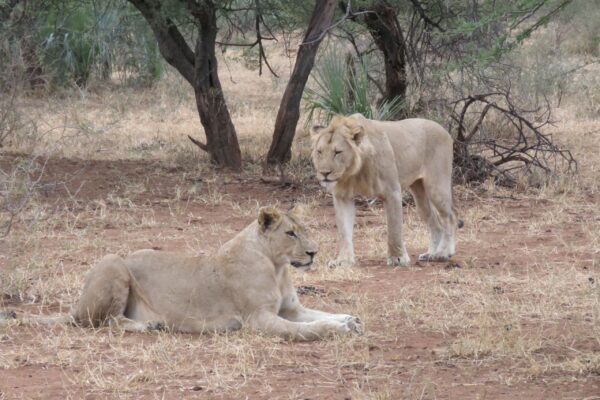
(348, 15)
(259, 38)
(171, 42)
(198, 143)
(424, 17)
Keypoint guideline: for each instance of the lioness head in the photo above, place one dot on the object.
(287, 237)
(335, 151)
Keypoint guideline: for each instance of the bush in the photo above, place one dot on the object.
(60, 43)
(342, 87)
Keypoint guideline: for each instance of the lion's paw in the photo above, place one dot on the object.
(8, 314)
(354, 324)
(402, 261)
(156, 326)
(426, 257)
(341, 263)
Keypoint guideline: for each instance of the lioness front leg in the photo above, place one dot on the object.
(271, 323)
(344, 219)
(130, 325)
(296, 312)
(303, 314)
(397, 255)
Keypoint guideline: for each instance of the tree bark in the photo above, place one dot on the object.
(385, 30)
(289, 108)
(199, 68)
(222, 141)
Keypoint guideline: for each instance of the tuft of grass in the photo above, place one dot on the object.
(343, 88)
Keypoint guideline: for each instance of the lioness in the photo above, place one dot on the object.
(246, 283)
(358, 156)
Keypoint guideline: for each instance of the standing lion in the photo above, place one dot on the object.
(358, 156)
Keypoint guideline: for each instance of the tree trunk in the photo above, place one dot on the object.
(289, 108)
(199, 68)
(221, 138)
(383, 25)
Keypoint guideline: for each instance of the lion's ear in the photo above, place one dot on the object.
(268, 218)
(298, 211)
(357, 133)
(315, 130)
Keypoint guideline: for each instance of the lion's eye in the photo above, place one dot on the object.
(319, 152)
(291, 234)
(338, 152)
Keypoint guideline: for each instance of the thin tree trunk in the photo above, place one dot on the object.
(383, 26)
(221, 138)
(199, 68)
(289, 108)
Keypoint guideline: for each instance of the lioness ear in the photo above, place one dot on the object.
(268, 218)
(357, 133)
(315, 130)
(298, 211)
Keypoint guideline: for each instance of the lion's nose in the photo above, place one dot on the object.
(311, 253)
(325, 173)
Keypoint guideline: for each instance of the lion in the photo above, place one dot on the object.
(358, 156)
(247, 283)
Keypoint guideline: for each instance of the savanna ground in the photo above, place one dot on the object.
(516, 314)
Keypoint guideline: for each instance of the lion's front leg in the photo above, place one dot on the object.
(292, 310)
(344, 219)
(273, 324)
(303, 314)
(397, 255)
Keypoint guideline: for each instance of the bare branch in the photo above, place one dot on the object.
(259, 38)
(171, 42)
(522, 142)
(198, 143)
(348, 15)
(423, 14)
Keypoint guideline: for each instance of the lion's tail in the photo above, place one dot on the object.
(459, 222)
(9, 317)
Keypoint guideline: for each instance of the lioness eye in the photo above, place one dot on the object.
(337, 152)
(319, 152)
(290, 233)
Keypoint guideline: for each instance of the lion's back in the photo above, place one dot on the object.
(420, 146)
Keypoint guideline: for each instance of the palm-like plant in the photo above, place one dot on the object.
(94, 38)
(343, 89)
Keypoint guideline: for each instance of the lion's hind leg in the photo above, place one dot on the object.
(105, 296)
(441, 200)
(428, 213)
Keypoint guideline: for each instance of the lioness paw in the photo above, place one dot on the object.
(354, 324)
(426, 257)
(402, 261)
(341, 262)
(156, 326)
(8, 314)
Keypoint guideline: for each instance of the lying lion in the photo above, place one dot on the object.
(247, 283)
(357, 156)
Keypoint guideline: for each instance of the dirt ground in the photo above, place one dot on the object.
(516, 314)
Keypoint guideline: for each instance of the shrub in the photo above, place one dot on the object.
(342, 87)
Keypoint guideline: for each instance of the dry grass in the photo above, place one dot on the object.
(522, 312)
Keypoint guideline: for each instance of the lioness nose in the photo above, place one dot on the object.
(325, 173)
(311, 253)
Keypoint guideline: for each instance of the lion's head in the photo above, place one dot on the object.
(287, 237)
(335, 150)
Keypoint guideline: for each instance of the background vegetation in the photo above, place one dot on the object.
(470, 66)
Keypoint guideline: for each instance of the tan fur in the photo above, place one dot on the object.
(246, 283)
(357, 156)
